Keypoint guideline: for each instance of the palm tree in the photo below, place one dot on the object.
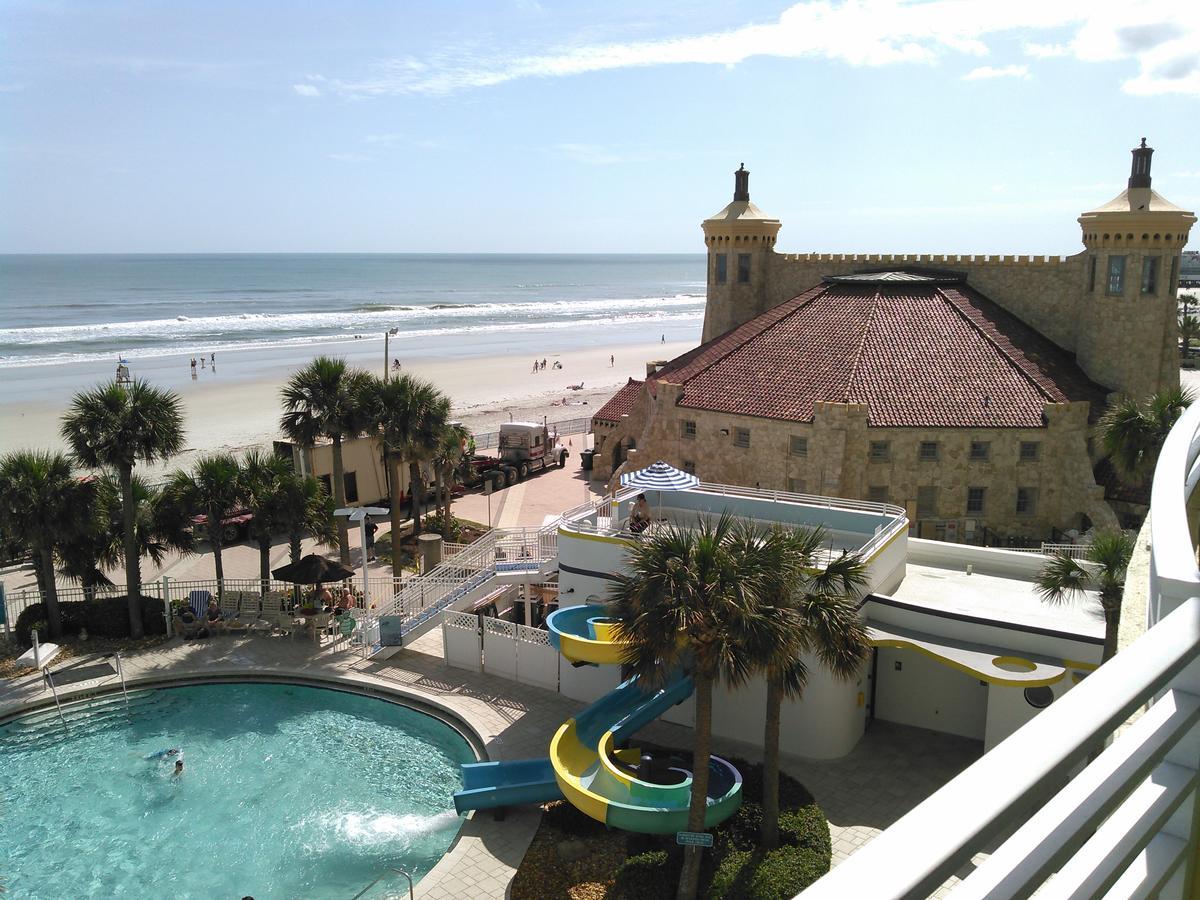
(264, 475)
(38, 494)
(160, 527)
(448, 455)
(1064, 580)
(1189, 330)
(324, 399)
(215, 488)
(814, 613)
(116, 426)
(1132, 432)
(305, 509)
(695, 585)
(408, 414)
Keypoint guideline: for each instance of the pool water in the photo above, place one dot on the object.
(287, 792)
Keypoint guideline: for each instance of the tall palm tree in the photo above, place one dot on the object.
(215, 488)
(691, 600)
(37, 497)
(305, 509)
(447, 456)
(264, 477)
(324, 399)
(1132, 431)
(1064, 580)
(430, 411)
(116, 426)
(160, 527)
(814, 613)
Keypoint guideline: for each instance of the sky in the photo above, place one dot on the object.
(524, 126)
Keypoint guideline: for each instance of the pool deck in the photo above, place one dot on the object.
(891, 770)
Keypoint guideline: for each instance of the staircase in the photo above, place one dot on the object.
(44, 729)
(503, 554)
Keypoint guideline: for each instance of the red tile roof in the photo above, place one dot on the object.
(620, 403)
(929, 355)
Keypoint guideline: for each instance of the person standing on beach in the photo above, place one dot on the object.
(193, 367)
(612, 361)
(663, 340)
(212, 360)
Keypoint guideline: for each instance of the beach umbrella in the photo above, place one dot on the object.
(312, 569)
(659, 476)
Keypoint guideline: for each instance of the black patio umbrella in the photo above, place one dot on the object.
(313, 569)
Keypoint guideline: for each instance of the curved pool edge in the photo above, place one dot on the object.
(356, 683)
(374, 689)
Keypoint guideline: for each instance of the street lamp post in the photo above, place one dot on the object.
(362, 515)
(386, 361)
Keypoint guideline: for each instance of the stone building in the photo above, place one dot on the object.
(961, 387)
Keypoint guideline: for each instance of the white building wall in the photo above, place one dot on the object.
(1008, 710)
(586, 683)
(928, 694)
(887, 569)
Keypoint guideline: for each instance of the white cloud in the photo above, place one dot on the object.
(1045, 51)
(997, 72)
(307, 90)
(1161, 36)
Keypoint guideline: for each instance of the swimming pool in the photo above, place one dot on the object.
(287, 791)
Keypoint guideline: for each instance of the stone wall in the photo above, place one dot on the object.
(837, 462)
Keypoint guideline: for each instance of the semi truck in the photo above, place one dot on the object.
(526, 448)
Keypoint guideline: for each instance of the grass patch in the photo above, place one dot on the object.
(573, 856)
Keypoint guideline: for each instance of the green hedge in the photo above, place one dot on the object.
(758, 875)
(107, 617)
(648, 876)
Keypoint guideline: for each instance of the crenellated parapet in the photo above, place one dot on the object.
(929, 260)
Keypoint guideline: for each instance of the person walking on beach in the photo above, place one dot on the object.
(612, 360)
(543, 365)
(663, 340)
(535, 366)
(212, 360)
(193, 367)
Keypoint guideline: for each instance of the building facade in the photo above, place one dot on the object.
(964, 388)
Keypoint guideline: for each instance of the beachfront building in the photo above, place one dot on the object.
(962, 388)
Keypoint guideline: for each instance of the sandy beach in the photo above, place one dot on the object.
(237, 405)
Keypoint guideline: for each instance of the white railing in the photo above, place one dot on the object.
(419, 601)
(1126, 821)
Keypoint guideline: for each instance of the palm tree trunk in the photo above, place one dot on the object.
(217, 540)
(264, 565)
(418, 494)
(294, 551)
(50, 596)
(437, 494)
(339, 501)
(133, 561)
(769, 833)
(1112, 625)
(689, 878)
(396, 516)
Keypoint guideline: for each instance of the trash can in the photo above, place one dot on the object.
(585, 459)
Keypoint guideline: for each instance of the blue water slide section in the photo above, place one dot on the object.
(487, 785)
(623, 710)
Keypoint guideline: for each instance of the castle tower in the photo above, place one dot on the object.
(740, 240)
(1128, 325)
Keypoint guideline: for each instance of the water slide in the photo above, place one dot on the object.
(613, 786)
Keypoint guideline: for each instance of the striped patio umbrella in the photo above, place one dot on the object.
(660, 477)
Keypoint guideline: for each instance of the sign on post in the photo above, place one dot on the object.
(693, 839)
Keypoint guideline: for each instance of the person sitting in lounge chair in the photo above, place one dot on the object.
(639, 519)
(189, 625)
(216, 618)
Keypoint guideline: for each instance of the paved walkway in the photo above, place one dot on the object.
(892, 769)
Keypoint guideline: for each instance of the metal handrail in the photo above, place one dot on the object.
(387, 873)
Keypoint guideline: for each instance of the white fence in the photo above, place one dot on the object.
(500, 648)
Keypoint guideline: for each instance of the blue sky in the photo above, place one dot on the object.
(583, 126)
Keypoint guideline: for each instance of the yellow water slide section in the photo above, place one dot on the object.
(605, 651)
(573, 762)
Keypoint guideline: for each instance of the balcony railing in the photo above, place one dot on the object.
(1124, 824)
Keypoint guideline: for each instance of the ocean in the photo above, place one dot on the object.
(59, 309)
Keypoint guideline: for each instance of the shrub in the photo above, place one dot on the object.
(106, 617)
(647, 876)
(570, 821)
(758, 875)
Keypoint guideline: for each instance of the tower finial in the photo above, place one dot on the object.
(741, 183)
(1139, 174)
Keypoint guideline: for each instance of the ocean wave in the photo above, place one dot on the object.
(322, 325)
(82, 352)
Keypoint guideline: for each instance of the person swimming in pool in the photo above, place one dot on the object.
(166, 753)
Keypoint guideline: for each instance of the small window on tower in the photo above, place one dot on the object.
(1150, 275)
(1116, 274)
(743, 268)
(798, 446)
(722, 272)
